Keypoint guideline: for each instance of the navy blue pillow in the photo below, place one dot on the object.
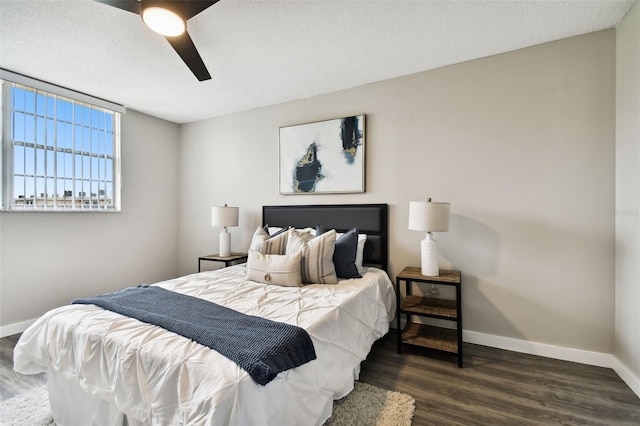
(344, 256)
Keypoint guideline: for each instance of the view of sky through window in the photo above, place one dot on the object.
(62, 151)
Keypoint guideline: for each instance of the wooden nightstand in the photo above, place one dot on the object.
(429, 336)
(227, 260)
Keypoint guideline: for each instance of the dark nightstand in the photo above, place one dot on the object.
(227, 260)
(429, 336)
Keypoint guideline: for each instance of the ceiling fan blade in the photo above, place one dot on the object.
(182, 44)
(189, 54)
(128, 5)
(190, 9)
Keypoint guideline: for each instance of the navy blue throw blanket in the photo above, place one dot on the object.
(260, 346)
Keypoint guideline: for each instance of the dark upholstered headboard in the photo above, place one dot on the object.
(370, 219)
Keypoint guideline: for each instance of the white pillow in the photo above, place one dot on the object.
(275, 269)
(311, 231)
(362, 239)
(274, 229)
(317, 255)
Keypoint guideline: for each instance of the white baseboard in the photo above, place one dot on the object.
(629, 378)
(598, 359)
(19, 327)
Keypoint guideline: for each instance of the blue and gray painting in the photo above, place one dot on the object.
(308, 171)
(351, 138)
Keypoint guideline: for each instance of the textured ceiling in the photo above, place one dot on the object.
(267, 52)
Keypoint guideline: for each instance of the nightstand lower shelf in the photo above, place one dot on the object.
(427, 336)
(431, 306)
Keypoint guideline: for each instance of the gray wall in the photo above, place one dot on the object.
(521, 144)
(48, 259)
(627, 319)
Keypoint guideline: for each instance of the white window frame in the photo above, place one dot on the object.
(74, 202)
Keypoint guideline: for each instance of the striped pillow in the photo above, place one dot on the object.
(263, 243)
(317, 256)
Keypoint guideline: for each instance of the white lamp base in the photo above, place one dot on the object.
(429, 256)
(225, 243)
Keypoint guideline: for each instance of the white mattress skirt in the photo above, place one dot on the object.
(70, 402)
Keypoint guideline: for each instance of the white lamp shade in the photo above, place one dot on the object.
(223, 216)
(429, 216)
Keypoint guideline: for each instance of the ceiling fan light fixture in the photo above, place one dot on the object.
(164, 21)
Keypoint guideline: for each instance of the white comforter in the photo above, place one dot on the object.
(157, 377)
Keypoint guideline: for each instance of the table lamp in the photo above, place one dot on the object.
(429, 217)
(223, 216)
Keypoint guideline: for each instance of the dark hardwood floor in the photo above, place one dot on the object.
(496, 387)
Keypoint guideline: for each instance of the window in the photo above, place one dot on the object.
(61, 150)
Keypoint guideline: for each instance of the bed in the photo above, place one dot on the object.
(107, 369)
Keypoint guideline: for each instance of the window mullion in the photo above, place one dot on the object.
(35, 157)
(24, 165)
(56, 181)
(104, 168)
(45, 198)
(91, 149)
(73, 154)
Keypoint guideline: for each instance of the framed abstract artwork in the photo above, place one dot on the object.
(324, 157)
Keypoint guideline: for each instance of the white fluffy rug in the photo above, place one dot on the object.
(366, 405)
(369, 405)
(31, 408)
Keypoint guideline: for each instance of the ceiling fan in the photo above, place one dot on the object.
(169, 18)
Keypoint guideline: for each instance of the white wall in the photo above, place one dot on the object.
(521, 144)
(48, 259)
(627, 211)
